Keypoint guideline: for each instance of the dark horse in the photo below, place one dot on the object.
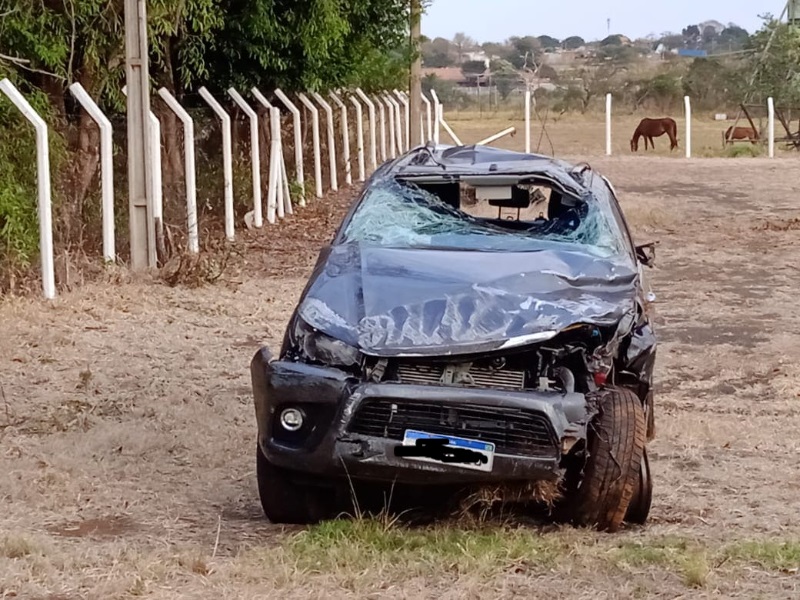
(650, 128)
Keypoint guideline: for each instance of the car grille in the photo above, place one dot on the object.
(477, 377)
(513, 431)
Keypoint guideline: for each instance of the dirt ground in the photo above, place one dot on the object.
(127, 431)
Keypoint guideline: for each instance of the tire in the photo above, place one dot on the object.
(639, 508)
(615, 444)
(285, 501)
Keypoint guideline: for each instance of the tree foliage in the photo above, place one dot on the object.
(47, 45)
(778, 74)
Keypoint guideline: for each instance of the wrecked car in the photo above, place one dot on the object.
(481, 316)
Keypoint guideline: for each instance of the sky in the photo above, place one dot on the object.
(497, 20)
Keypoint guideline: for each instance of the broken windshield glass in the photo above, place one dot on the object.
(401, 215)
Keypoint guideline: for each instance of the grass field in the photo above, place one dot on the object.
(585, 134)
(127, 430)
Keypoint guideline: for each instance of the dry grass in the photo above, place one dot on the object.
(126, 423)
(575, 134)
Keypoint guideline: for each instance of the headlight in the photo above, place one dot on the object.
(315, 346)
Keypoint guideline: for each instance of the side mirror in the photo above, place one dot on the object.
(646, 253)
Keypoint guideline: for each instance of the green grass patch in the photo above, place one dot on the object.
(373, 544)
(744, 150)
(772, 555)
(676, 554)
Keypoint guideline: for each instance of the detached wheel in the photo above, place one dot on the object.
(615, 448)
(285, 501)
(639, 508)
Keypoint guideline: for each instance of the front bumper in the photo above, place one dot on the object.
(327, 447)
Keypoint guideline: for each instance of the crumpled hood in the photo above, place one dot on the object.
(391, 302)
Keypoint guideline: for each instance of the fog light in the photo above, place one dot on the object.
(292, 419)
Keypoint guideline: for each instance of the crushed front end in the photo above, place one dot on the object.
(328, 410)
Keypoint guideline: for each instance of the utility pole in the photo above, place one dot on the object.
(415, 84)
(793, 8)
(140, 201)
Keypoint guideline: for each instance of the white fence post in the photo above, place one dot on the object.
(258, 218)
(608, 124)
(373, 134)
(437, 110)
(227, 160)
(407, 115)
(275, 187)
(392, 129)
(688, 108)
(382, 109)
(359, 136)
(528, 119)
(156, 191)
(298, 142)
(315, 135)
(276, 200)
(447, 128)
(429, 115)
(771, 126)
(331, 140)
(398, 123)
(496, 136)
(348, 174)
(106, 167)
(42, 184)
(189, 168)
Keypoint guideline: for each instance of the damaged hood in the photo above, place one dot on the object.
(391, 302)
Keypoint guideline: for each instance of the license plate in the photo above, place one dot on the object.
(446, 449)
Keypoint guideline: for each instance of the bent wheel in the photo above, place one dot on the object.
(285, 501)
(615, 445)
(639, 508)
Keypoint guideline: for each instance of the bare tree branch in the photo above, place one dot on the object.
(22, 64)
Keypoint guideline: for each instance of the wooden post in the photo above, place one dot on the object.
(142, 227)
(415, 85)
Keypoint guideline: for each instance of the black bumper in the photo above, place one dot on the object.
(327, 447)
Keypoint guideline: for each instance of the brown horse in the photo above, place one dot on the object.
(740, 133)
(650, 128)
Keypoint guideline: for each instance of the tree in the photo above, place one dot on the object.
(692, 36)
(438, 53)
(594, 82)
(505, 76)
(547, 72)
(295, 44)
(574, 42)
(524, 48)
(612, 40)
(778, 75)
(548, 42)
(462, 42)
(733, 38)
(495, 50)
(474, 67)
(711, 82)
(710, 36)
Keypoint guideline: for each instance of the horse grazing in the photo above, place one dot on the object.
(650, 128)
(741, 133)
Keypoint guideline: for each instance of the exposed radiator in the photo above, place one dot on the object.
(476, 376)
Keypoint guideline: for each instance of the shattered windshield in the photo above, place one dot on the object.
(402, 215)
